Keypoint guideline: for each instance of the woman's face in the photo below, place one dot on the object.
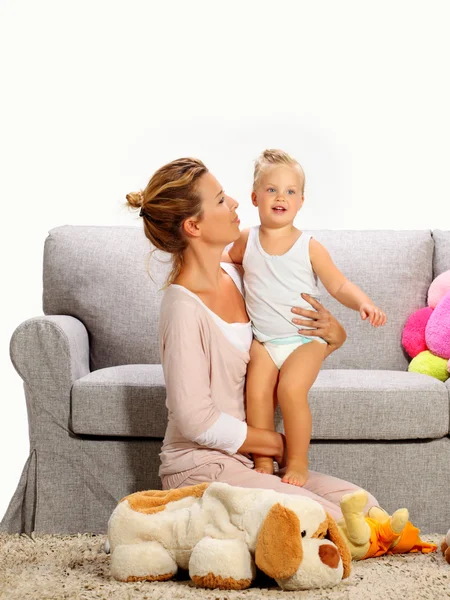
(220, 223)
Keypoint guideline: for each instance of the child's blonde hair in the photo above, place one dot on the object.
(272, 158)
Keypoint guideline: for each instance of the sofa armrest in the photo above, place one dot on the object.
(49, 353)
(56, 344)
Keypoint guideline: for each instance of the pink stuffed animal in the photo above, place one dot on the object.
(426, 335)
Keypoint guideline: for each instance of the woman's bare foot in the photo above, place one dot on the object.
(264, 464)
(296, 472)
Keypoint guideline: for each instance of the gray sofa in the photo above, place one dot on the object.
(95, 390)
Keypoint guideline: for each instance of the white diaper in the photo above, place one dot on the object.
(279, 351)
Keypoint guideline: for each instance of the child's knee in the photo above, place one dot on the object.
(290, 392)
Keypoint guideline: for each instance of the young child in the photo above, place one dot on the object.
(280, 263)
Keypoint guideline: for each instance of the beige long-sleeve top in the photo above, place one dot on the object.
(205, 378)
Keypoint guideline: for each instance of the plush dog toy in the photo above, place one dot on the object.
(426, 334)
(377, 532)
(445, 546)
(220, 533)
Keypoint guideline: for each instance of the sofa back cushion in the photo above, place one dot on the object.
(394, 268)
(100, 276)
(441, 258)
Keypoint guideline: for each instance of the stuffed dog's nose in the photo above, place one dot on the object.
(329, 555)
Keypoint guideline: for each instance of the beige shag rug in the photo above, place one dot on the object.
(47, 567)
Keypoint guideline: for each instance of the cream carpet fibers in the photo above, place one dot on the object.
(61, 567)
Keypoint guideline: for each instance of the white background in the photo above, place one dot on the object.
(97, 95)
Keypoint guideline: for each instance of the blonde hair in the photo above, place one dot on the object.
(272, 158)
(170, 197)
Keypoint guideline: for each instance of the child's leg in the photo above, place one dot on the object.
(261, 383)
(297, 374)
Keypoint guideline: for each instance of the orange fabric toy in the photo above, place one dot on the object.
(378, 533)
(384, 540)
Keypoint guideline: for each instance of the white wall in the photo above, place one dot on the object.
(96, 95)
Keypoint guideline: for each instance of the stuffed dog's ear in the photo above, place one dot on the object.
(279, 549)
(334, 536)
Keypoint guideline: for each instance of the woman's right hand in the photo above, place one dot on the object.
(281, 458)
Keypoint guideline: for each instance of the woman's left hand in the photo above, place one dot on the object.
(324, 323)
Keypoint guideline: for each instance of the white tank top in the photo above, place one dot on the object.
(239, 334)
(273, 284)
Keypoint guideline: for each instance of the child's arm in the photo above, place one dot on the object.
(236, 252)
(225, 257)
(345, 292)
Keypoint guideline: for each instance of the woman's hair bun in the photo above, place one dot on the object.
(134, 199)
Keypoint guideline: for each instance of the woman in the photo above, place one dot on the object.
(205, 338)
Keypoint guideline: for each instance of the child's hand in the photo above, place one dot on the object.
(377, 318)
(225, 257)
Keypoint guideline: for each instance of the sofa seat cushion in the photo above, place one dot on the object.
(353, 404)
(346, 404)
(128, 400)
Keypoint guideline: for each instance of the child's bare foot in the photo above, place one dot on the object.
(281, 458)
(296, 472)
(264, 464)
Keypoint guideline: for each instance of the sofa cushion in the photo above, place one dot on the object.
(128, 400)
(378, 405)
(447, 385)
(441, 257)
(346, 405)
(100, 276)
(394, 268)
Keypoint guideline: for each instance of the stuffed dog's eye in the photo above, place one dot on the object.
(304, 533)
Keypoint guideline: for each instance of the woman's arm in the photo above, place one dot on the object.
(183, 348)
(324, 324)
(188, 391)
(265, 442)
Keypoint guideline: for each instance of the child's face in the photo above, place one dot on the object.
(279, 196)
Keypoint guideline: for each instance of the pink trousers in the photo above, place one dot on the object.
(325, 489)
